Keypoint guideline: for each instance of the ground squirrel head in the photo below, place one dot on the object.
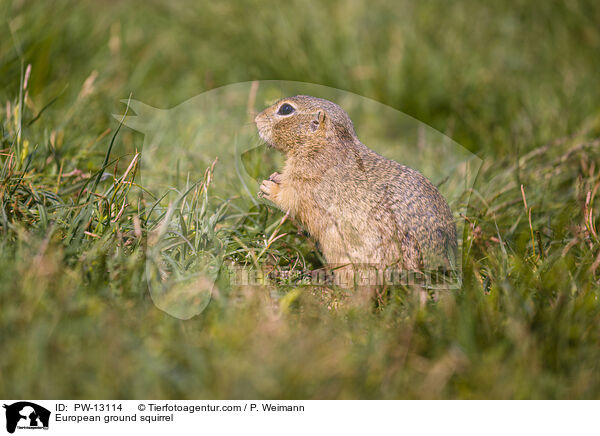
(294, 123)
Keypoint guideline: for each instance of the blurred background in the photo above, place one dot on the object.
(498, 77)
(515, 82)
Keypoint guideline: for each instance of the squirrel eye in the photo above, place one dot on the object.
(285, 109)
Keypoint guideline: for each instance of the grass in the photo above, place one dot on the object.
(514, 82)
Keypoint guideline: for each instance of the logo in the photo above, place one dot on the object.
(210, 142)
(26, 415)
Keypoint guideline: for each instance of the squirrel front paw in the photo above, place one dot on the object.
(275, 177)
(270, 188)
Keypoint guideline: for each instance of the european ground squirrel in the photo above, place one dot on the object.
(361, 208)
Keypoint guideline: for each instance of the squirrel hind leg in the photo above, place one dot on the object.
(411, 258)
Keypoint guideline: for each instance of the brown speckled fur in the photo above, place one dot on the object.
(360, 207)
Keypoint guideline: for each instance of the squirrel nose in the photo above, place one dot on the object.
(261, 116)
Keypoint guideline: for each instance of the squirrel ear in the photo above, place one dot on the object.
(317, 121)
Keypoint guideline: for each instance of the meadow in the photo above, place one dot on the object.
(514, 82)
